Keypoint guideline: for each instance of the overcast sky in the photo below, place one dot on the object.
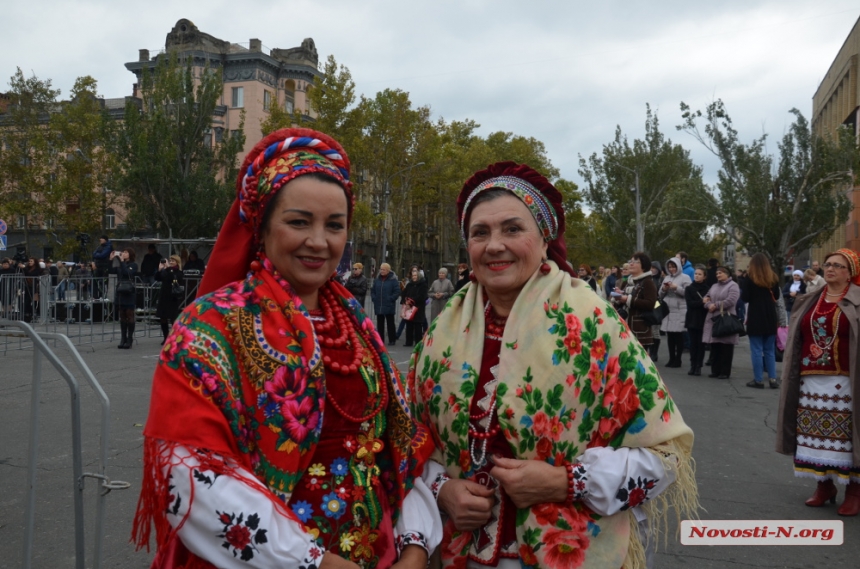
(565, 72)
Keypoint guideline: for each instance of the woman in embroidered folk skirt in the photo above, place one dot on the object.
(552, 425)
(279, 433)
(820, 381)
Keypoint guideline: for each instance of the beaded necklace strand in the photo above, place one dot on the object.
(332, 318)
(494, 329)
(821, 351)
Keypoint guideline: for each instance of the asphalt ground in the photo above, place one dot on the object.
(740, 476)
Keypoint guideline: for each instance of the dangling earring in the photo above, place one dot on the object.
(544, 267)
(257, 263)
(473, 278)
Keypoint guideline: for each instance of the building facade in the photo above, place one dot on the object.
(254, 78)
(836, 104)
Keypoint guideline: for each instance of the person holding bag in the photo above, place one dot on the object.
(125, 269)
(721, 299)
(415, 296)
(760, 290)
(170, 275)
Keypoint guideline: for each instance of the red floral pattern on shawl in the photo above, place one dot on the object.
(227, 382)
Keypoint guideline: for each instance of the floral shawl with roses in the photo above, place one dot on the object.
(572, 376)
(241, 375)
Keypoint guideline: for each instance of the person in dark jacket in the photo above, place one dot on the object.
(462, 276)
(169, 304)
(609, 281)
(415, 294)
(694, 320)
(125, 270)
(102, 257)
(150, 265)
(32, 288)
(760, 290)
(639, 296)
(357, 283)
(585, 274)
(711, 275)
(656, 332)
(796, 286)
(384, 295)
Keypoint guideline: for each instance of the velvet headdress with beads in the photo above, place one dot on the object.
(276, 160)
(853, 263)
(542, 199)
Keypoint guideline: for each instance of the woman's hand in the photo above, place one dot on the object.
(712, 308)
(530, 482)
(412, 557)
(623, 299)
(334, 561)
(467, 503)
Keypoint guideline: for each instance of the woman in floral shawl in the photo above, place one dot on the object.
(279, 434)
(554, 432)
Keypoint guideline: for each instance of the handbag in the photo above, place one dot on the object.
(177, 289)
(726, 324)
(655, 317)
(408, 312)
(125, 287)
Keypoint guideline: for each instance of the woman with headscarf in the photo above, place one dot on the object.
(279, 433)
(820, 382)
(125, 269)
(552, 425)
(440, 291)
(721, 298)
(760, 291)
(170, 275)
(792, 289)
(672, 293)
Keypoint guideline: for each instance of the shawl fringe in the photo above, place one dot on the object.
(155, 496)
(682, 497)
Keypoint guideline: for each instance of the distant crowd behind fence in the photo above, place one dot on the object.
(80, 306)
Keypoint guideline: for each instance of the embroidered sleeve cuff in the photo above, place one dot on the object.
(577, 482)
(411, 538)
(437, 484)
(313, 557)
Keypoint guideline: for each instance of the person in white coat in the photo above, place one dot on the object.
(672, 293)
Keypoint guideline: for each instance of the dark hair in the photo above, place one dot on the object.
(131, 255)
(724, 269)
(683, 255)
(105, 237)
(712, 262)
(270, 206)
(674, 264)
(643, 258)
(151, 247)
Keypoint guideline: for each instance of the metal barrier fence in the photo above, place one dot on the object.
(41, 350)
(80, 307)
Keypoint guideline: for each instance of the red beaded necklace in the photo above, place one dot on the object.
(833, 304)
(333, 318)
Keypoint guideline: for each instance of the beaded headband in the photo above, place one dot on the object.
(283, 161)
(538, 205)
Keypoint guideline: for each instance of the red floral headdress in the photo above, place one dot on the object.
(279, 158)
(523, 182)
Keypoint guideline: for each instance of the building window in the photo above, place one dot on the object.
(219, 134)
(21, 222)
(110, 218)
(289, 96)
(238, 97)
(267, 100)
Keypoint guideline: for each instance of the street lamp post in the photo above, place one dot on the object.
(386, 193)
(637, 204)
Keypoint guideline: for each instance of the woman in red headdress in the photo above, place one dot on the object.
(820, 385)
(279, 433)
(553, 429)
